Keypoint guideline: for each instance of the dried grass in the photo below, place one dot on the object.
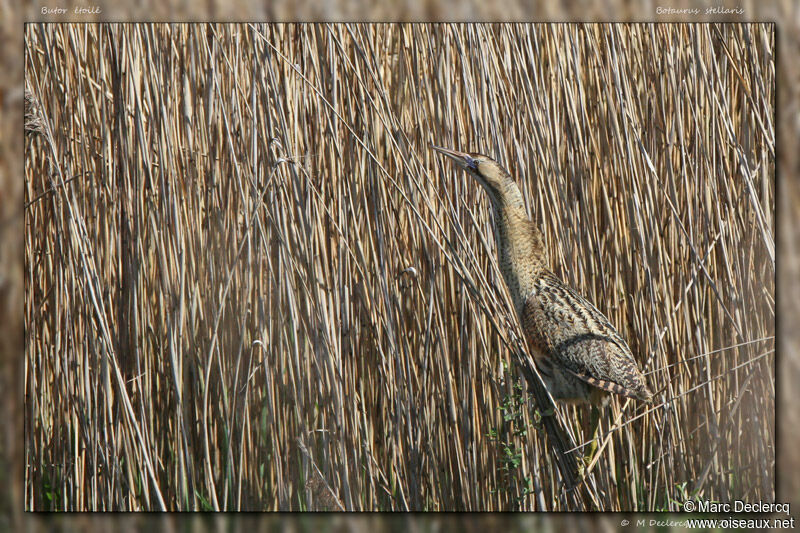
(250, 284)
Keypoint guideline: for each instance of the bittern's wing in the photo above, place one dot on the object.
(564, 327)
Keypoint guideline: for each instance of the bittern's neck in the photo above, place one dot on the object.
(520, 245)
(508, 201)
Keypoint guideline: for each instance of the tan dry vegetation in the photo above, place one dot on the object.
(251, 285)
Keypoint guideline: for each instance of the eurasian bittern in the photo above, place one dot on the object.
(579, 354)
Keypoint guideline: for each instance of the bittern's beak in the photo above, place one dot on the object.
(464, 160)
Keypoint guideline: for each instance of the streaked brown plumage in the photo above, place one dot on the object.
(580, 355)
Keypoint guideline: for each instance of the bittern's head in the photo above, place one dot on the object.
(497, 182)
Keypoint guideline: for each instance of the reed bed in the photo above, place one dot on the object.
(250, 284)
